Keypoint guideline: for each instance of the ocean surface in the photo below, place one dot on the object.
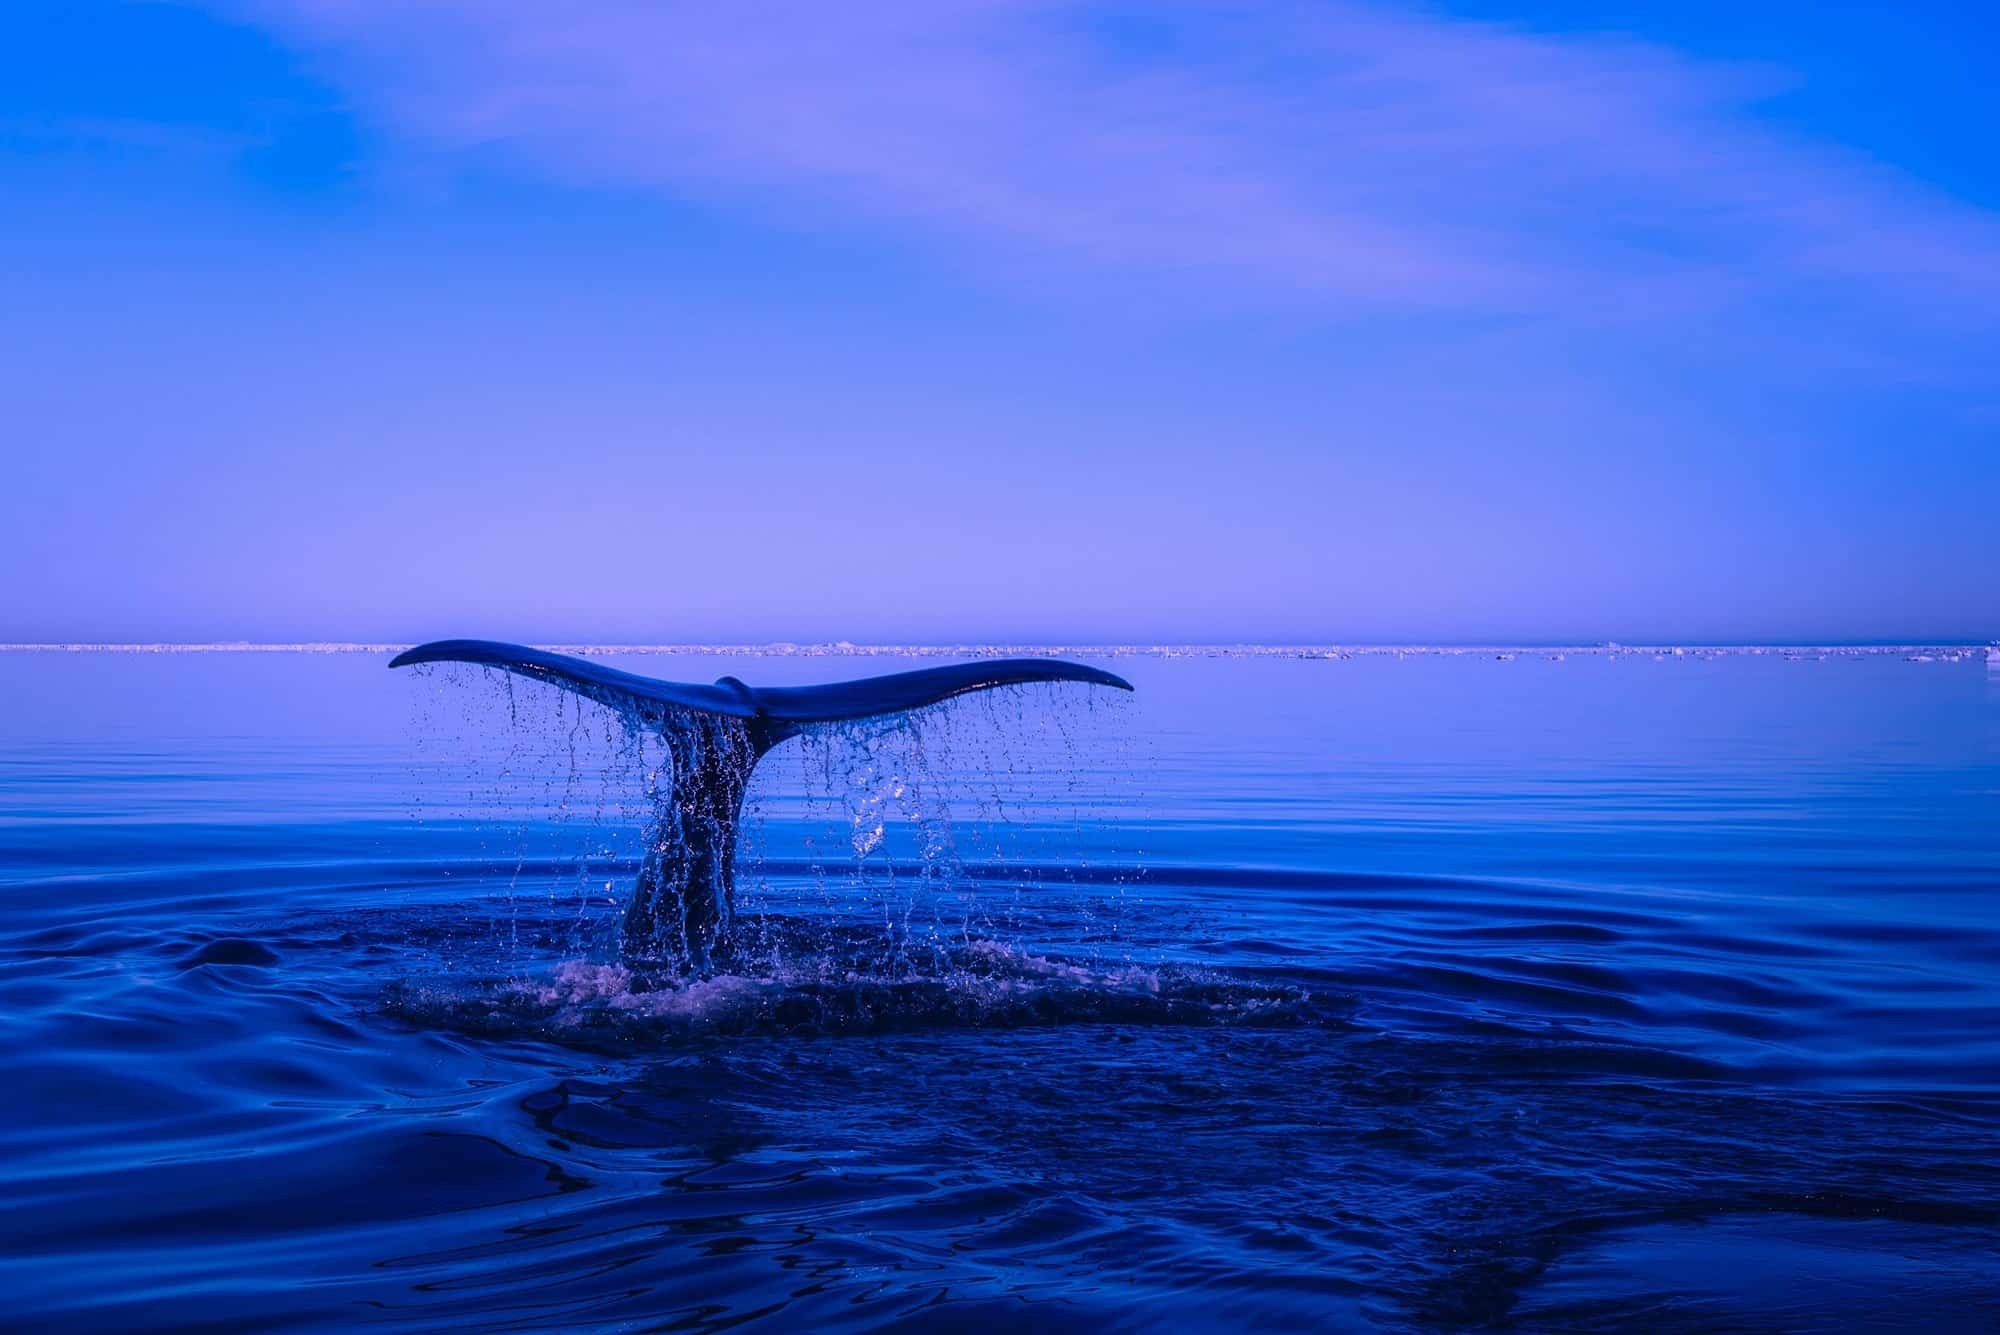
(1381, 994)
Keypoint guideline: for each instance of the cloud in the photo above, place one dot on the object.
(1334, 153)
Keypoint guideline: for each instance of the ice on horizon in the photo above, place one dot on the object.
(1918, 653)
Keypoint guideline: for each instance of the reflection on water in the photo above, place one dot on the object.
(1398, 995)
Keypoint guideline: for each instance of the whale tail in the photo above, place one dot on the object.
(715, 735)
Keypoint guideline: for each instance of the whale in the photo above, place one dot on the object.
(683, 904)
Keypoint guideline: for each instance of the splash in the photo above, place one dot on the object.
(883, 812)
(683, 908)
(986, 985)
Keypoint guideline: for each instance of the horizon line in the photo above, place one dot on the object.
(1133, 648)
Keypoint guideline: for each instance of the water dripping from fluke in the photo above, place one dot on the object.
(682, 912)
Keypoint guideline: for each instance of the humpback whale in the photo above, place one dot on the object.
(715, 735)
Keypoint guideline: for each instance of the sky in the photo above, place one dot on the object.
(999, 321)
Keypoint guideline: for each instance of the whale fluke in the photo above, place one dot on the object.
(835, 702)
(716, 734)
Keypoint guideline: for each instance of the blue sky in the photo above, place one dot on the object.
(1000, 319)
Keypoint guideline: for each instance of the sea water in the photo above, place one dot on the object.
(1379, 992)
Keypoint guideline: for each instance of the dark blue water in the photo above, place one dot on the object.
(1375, 994)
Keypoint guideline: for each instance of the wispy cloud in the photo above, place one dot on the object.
(1335, 152)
